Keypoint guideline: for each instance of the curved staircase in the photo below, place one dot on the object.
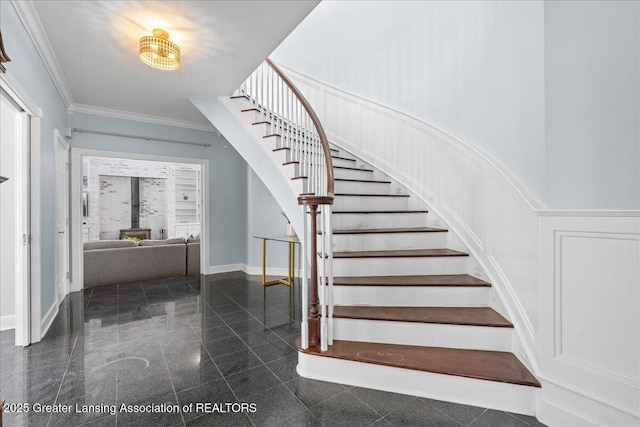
(409, 316)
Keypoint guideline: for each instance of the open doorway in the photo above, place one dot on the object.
(14, 219)
(137, 218)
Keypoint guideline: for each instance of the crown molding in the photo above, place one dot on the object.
(28, 14)
(146, 118)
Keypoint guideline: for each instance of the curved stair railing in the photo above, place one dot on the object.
(299, 130)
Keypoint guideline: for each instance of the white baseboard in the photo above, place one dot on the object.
(7, 322)
(560, 406)
(48, 319)
(215, 269)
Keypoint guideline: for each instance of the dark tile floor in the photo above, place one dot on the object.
(182, 343)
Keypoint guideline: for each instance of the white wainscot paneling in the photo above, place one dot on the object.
(379, 136)
(590, 325)
(464, 183)
(597, 303)
(513, 248)
(419, 156)
(312, 93)
(342, 119)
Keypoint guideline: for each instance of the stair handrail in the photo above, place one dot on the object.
(316, 122)
(292, 118)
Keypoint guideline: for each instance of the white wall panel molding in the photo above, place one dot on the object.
(589, 336)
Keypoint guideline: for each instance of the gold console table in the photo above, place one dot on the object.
(287, 281)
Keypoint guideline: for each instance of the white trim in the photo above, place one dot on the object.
(48, 318)
(7, 322)
(28, 14)
(138, 117)
(18, 94)
(590, 212)
(77, 270)
(216, 269)
(36, 232)
(59, 139)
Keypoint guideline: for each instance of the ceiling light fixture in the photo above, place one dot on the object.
(158, 52)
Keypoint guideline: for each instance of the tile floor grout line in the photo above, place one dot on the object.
(173, 387)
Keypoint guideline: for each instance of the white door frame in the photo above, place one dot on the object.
(77, 262)
(28, 306)
(59, 141)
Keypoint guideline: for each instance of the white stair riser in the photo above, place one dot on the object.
(362, 187)
(399, 266)
(352, 174)
(378, 220)
(468, 391)
(424, 334)
(260, 130)
(389, 241)
(412, 296)
(370, 203)
(342, 162)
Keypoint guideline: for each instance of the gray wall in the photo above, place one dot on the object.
(592, 106)
(227, 173)
(27, 68)
(549, 89)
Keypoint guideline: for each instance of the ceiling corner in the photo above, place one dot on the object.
(28, 14)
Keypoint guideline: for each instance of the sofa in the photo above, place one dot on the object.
(108, 262)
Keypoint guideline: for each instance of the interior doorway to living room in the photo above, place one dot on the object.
(138, 217)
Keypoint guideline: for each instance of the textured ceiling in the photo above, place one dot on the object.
(221, 43)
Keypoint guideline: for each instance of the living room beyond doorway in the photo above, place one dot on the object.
(141, 219)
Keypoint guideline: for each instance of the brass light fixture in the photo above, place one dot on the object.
(158, 52)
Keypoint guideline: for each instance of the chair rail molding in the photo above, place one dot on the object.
(561, 276)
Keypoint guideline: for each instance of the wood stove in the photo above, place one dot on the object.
(135, 230)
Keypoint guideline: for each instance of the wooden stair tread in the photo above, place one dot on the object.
(391, 230)
(382, 212)
(478, 364)
(416, 280)
(353, 169)
(371, 195)
(472, 316)
(366, 181)
(402, 253)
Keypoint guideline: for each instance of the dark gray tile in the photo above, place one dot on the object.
(380, 401)
(285, 368)
(226, 419)
(273, 351)
(463, 414)
(313, 392)
(532, 421)
(274, 406)
(235, 317)
(304, 419)
(247, 325)
(215, 391)
(345, 410)
(237, 362)
(382, 423)
(190, 375)
(498, 419)
(225, 346)
(170, 416)
(419, 414)
(252, 381)
(216, 334)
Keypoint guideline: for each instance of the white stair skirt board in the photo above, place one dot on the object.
(389, 241)
(423, 334)
(370, 203)
(412, 296)
(358, 187)
(399, 266)
(468, 391)
(353, 221)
